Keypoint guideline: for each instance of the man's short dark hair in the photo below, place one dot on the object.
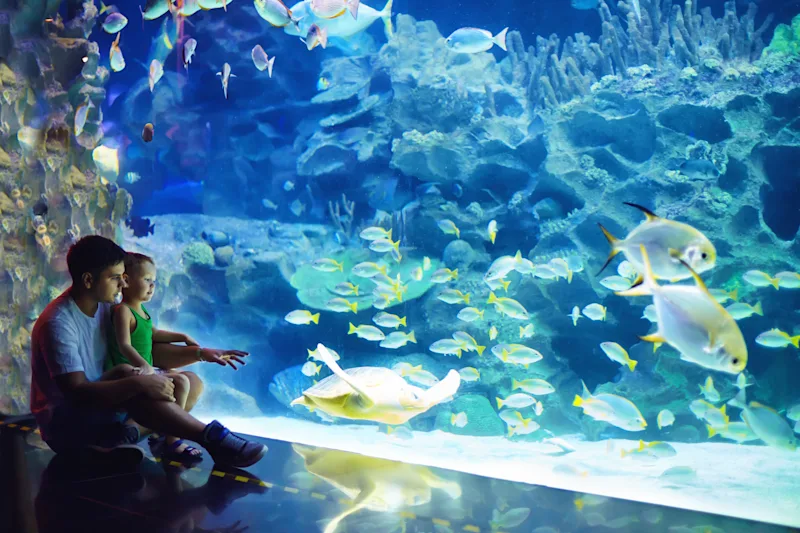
(93, 254)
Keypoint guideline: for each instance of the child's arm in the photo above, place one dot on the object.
(122, 318)
(162, 335)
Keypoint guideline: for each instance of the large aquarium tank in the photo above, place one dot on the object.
(542, 241)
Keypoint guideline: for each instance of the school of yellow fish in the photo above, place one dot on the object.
(688, 317)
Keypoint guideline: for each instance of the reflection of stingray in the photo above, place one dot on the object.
(376, 484)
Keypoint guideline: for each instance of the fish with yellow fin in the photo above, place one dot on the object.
(669, 244)
(691, 321)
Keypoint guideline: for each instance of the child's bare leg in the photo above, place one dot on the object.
(181, 395)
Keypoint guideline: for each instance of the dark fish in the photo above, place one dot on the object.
(141, 226)
(147, 133)
(700, 169)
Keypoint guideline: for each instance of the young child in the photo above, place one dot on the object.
(132, 336)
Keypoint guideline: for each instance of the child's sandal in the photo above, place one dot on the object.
(189, 454)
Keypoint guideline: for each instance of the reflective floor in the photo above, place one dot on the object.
(305, 489)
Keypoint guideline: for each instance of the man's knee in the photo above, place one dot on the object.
(196, 385)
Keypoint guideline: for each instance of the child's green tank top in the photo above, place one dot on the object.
(141, 340)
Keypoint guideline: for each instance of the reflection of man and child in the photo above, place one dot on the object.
(103, 377)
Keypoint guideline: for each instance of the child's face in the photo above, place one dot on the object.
(141, 283)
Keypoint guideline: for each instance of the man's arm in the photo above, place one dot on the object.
(98, 394)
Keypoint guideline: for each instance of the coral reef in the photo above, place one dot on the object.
(50, 190)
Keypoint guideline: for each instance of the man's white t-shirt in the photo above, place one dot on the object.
(64, 340)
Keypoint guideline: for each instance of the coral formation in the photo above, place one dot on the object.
(50, 190)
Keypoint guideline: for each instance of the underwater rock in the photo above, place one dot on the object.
(325, 154)
(197, 254)
(364, 106)
(458, 254)
(223, 256)
(266, 273)
(433, 156)
(699, 122)
(632, 136)
(482, 420)
(216, 238)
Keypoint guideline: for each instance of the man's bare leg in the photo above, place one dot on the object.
(166, 418)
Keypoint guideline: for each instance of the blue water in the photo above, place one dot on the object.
(235, 198)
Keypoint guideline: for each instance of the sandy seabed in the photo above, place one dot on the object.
(750, 482)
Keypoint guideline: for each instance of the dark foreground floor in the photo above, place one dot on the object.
(302, 489)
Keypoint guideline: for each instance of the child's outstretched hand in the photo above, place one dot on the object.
(146, 370)
(190, 341)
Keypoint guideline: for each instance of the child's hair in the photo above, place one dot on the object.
(93, 254)
(134, 260)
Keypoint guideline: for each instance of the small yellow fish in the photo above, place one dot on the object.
(617, 353)
(302, 317)
(538, 387)
(448, 227)
(492, 230)
(426, 263)
(756, 278)
(370, 333)
(327, 265)
(595, 312)
(416, 274)
(470, 314)
(468, 341)
(459, 420)
(575, 315)
(509, 307)
(443, 275)
(665, 418)
(493, 333)
(526, 332)
(469, 374)
(341, 305)
(310, 369)
(373, 233)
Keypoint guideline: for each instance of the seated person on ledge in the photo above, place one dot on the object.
(130, 342)
(79, 408)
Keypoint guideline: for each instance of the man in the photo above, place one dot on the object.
(77, 410)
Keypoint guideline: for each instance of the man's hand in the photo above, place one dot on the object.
(158, 387)
(223, 357)
(190, 341)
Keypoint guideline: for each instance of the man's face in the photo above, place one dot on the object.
(109, 284)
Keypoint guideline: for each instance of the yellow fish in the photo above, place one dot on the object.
(669, 244)
(691, 321)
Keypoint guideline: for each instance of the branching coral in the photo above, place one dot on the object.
(668, 35)
(343, 222)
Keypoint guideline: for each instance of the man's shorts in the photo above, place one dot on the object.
(72, 428)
